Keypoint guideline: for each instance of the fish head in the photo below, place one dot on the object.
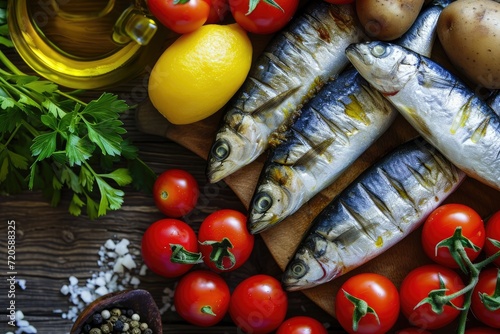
(387, 67)
(315, 262)
(269, 205)
(233, 148)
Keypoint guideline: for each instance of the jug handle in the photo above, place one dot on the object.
(134, 25)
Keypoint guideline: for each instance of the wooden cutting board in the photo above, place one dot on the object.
(283, 239)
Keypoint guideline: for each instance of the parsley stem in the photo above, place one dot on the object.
(71, 97)
(12, 135)
(6, 61)
(30, 128)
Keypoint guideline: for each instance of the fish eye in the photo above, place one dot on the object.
(262, 202)
(298, 269)
(221, 150)
(378, 50)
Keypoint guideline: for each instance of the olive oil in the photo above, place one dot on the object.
(85, 44)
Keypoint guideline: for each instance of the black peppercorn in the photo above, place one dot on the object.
(86, 328)
(96, 319)
(118, 327)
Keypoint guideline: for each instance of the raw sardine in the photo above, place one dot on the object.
(292, 68)
(382, 206)
(437, 104)
(334, 128)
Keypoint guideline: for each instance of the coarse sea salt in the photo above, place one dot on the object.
(116, 273)
(23, 325)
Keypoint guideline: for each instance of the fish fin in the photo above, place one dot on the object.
(316, 150)
(427, 77)
(273, 102)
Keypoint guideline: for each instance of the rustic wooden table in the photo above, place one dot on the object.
(52, 245)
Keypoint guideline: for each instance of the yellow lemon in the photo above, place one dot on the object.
(199, 72)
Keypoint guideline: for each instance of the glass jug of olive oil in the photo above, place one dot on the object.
(85, 44)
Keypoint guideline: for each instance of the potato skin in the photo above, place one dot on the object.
(386, 20)
(469, 32)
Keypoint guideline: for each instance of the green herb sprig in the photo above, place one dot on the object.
(51, 140)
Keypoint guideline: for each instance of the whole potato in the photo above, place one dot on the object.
(469, 32)
(387, 19)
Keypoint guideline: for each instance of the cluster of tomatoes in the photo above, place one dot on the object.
(255, 16)
(170, 248)
(432, 296)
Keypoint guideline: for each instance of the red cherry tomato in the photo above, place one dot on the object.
(181, 16)
(417, 285)
(378, 292)
(162, 240)
(492, 232)
(301, 325)
(441, 224)
(175, 192)
(219, 9)
(486, 286)
(225, 241)
(202, 298)
(264, 18)
(258, 304)
(412, 330)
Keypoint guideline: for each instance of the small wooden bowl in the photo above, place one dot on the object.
(139, 300)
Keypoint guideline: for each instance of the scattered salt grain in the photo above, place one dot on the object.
(86, 296)
(144, 269)
(122, 247)
(167, 300)
(109, 244)
(116, 273)
(23, 326)
(101, 291)
(21, 283)
(128, 262)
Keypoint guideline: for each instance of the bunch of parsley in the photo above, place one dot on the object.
(51, 141)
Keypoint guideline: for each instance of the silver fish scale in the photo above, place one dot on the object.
(376, 211)
(292, 68)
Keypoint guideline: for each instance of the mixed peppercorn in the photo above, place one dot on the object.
(116, 320)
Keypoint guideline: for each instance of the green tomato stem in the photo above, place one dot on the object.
(183, 256)
(220, 251)
(207, 309)
(361, 309)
